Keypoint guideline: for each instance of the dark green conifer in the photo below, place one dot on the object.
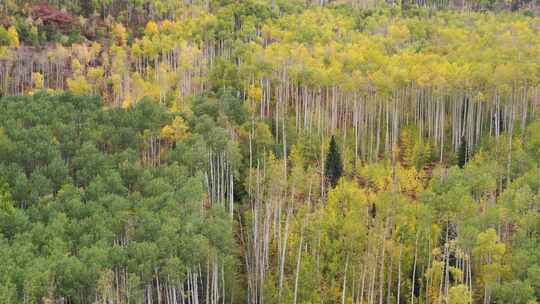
(462, 153)
(334, 166)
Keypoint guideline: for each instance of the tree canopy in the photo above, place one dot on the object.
(268, 152)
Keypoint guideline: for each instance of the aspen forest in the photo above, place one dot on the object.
(269, 151)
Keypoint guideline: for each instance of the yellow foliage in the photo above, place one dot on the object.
(95, 74)
(79, 85)
(459, 295)
(398, 33)
(176, 131)
(13, 37)
(126, 103)
(255, 93)
(116, 81)
(76, 67)
(151, 29)
(409, 181)
(167, 25)
(95, 49)
(119, 34)
(346, 195)
(37, 80)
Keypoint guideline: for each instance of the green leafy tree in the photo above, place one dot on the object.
(515, 292)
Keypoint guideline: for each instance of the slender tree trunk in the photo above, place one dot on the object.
(344, 288)
(399, 274)
(298, 265)
(413, 280)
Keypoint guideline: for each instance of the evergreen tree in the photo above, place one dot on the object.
(462, 153)
(334, 165)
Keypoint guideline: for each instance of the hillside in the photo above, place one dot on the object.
(266, 152)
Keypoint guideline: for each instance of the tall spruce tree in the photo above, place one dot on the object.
(334, 165)
(462, 153)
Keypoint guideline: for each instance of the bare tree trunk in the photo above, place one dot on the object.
(413, 280)
(344, 288)
(298, 264)
(283, 252)
(399, 273)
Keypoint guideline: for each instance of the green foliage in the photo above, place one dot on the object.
(79, 202)
(199, 174)
(225, 75)
(532, 141)
(4, 37)
(515, 292)
(415, 151)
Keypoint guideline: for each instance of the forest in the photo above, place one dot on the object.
(270, 151)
